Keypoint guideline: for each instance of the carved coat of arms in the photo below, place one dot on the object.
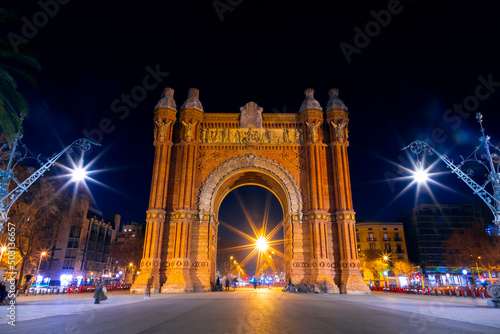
(251, 116)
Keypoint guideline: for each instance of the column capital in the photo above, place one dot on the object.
(346, 216)
(154, 214)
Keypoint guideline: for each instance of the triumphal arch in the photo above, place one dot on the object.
(201, 156)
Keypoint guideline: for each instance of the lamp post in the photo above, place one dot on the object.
(39, 263)
(477, 268)
(7, 198)
(483, 156)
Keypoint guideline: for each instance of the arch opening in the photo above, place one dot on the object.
(250, 245)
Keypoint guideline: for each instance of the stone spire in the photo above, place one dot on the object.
(167, 99)
(309, 101)
(192, 100)
(335, 102)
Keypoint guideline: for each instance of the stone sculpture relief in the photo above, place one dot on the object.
(188, 134)
(161, 130)
(258, 136)
(313, 129)
(341, 132)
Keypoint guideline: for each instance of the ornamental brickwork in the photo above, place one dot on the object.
(200, 157)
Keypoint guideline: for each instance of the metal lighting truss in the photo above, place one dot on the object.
(7, 174)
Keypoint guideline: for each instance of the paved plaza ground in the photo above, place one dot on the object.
(251, 311)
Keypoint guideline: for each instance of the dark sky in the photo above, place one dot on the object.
(398, 85)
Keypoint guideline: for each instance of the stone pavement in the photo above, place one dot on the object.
(252, 311)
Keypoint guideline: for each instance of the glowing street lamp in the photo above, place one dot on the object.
(3, 249)
(40, 262)
(7, 199)
(489, 194)
(79, 173)
(261, 244)
(420, 175)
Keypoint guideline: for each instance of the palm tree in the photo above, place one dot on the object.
(13, 105)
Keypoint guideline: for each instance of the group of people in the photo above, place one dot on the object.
(228, 282)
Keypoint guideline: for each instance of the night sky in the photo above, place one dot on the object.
(400, 82)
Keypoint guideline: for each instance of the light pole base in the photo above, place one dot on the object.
(494, 292)
(493, 303)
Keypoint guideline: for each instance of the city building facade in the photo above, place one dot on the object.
(429, 226)
(81, 248)
(385, 239)
(131, 230)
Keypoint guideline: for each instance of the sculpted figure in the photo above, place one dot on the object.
(224, 136)
(313, 129)
(213, 135)
(188, 134)
(203, 135)
(161, 130)
(341, 132)
(286, 136)
(269, 136)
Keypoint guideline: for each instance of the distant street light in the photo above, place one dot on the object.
(483, 156)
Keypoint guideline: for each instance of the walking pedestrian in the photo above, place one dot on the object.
(227, 283)
(27, 285)
(148, 291)
(99, 293)
(234, 284)
(3, 292)
(217, 284)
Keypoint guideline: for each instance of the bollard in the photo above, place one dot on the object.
(482, 294)
(465, 294)
(473, 294)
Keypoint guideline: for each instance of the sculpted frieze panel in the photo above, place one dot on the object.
(259, 136)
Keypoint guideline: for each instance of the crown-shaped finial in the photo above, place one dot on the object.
(192, 101)
(335, 102)
(167, 99)
(333, 92)
(309, 101)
